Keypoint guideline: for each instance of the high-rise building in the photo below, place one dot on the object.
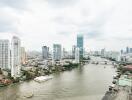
(4, 54)
(64, 53)
(23, 56)
(127, 50)
(45, 52)
(57, 52)
(77, 55)
(122, 51)
(16, 58)
(103, 52)
(130, 50)
(80, 45)
(73, 51)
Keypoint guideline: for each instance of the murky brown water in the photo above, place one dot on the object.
(85, 83)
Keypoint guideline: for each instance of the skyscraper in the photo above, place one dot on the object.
(77, 55)
(127, 50)
(64, 53)
(80, 45)
(130, 50)
(16, 58)
(45, 52)
(122, 51)
(4, 54)
(23, 55)
(73, 51)
(57, 52)
(103, 52)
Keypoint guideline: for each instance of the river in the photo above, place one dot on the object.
(89, 82)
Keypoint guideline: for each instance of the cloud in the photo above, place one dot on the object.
(10, 11)
(61, 3)
(7, 20)
(16, 4)
(104, 23)
(84, 18)
(6, 26)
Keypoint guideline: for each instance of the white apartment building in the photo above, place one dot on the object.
(15, 56)
(77, 55)
(4, 54)
(23, 56)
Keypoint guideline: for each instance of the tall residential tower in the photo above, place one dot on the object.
(45, 52)
(80, 45)
(23, 56)
(15, 56)
(77, 55)
(4, 54)
(57, 52)
(73, 51)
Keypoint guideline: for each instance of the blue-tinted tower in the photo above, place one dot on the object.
(80, 44)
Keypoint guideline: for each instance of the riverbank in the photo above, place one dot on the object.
(31, 73)
(121, 88)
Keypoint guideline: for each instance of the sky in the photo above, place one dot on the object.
(104, 23)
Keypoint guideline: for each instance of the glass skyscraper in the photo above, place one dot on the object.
(80, 45)
(56, 52)
(45, 52)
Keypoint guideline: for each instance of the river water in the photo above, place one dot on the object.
(89, 82)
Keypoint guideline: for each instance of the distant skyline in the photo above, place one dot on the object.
(104, 23)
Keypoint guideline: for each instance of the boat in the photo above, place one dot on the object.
(43, 78)
(29, 95)
(112, 86)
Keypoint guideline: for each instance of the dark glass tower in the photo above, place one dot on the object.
(80, 44)
(45, 52)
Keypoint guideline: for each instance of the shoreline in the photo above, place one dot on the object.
(119, 90)
(50, 73)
